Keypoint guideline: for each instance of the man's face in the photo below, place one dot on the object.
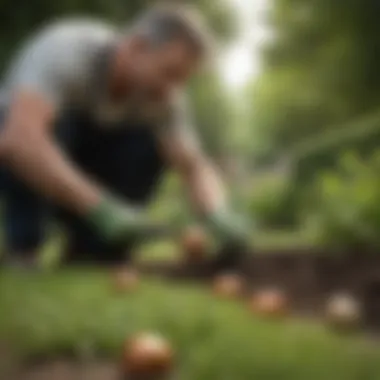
(159, 71)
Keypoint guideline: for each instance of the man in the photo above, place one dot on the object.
(91, 115)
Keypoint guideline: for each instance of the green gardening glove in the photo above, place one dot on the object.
(116, 221)
(228, 227)
(233, 235)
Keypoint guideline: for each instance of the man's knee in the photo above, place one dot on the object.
(23, 242)
(23, 232)
(24, 218)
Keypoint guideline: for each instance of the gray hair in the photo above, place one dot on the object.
(164, 23)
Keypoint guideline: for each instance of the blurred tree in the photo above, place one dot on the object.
(213, 113)
(321, 69)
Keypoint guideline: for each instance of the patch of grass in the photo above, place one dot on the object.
(55, 313)
(284, 240)
(159, 251)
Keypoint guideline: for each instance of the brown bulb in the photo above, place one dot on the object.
(147, 356)
(194, 244)
(228, 285)
(269, 303)
(125, 280)
(343, 312)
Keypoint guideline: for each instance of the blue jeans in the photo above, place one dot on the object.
(126, 160)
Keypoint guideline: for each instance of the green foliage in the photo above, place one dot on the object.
(323, 151)
(273, 203)
(346, 204)
(213, 116)
(170, 204)
(320, 70)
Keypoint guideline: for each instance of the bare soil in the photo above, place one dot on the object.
(65, 370)
(308, 278)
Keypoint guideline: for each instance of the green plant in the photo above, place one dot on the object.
(274, 203)
(346, 203)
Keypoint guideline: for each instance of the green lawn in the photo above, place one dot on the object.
(77, 312)
(163, 250)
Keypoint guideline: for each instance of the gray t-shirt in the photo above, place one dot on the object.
(66, 63)
(60, 63)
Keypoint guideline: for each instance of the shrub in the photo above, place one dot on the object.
(346, 203)
(273, 203)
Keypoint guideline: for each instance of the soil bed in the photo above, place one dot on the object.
(62, 369)
(308, 277)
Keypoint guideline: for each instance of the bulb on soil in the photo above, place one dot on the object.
(343, 312)
(269, 303)
(148, 356)
(228, 285)
(194, 244)
(125, 280)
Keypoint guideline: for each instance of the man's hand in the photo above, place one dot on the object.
(228, 228)
(116, 221)
(230, 257)
(204, 185)
(232, 234)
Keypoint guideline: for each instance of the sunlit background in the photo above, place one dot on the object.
(241, 62)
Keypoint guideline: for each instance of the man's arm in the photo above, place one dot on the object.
(28, 149)
(38, 87)
(200, 178)
(203, 184)
(38, 91)
(183, 152)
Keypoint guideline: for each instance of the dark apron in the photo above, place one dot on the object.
(126, 160)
